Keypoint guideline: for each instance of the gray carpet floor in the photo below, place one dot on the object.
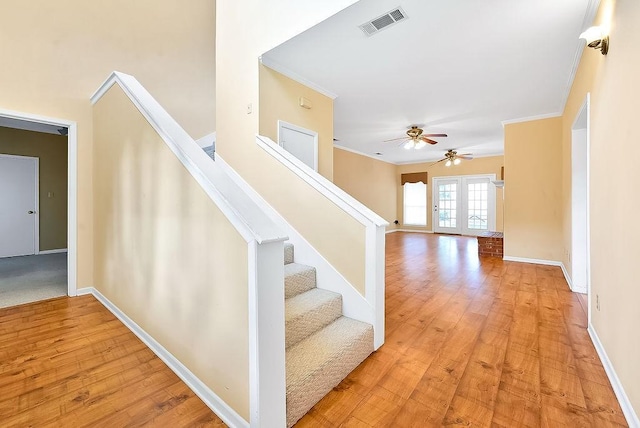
(28, 279)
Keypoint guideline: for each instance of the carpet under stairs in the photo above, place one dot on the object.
(322, 345)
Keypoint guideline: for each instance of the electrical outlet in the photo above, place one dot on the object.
(597, 302)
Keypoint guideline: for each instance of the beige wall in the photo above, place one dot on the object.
(263, 25)
(60, 52)
(166, 255)
(52, 153)
(279, 100)
(533, 189)
(370, 181)
(486, 165)
(613, 83)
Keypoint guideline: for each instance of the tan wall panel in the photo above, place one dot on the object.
(533, 189)
(486, 165)
(60, 52)
(52, 152)
(262, 26)
(613, 83)
(166, 255)
(370, 181)
(280, 100)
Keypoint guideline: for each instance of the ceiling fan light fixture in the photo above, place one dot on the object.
(409, 145)
(420, 144)
(448, 162)
(456, 161)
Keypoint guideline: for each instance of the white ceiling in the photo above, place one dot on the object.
(457, 67)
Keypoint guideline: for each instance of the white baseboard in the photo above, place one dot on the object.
(532, 261)
(567, 277)
(59, 250)
(409, 230)
(623, 399)
(215, 403)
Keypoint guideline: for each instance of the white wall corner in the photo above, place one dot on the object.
(210, 398)
(628, 410)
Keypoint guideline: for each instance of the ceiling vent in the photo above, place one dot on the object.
(385, 21)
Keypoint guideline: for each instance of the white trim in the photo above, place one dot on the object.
(625, 404)
(267, 372)
(57, 251)
(532, 261)
(282, 124)
(410, 230)
(530, 118)
(267, 62)
(239, 209)
(329, 190)
(207, 140)
(378, 158)
(354, 305)
(215, 403)
(72, 187)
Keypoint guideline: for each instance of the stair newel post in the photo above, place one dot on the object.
(374, 278)
(267, 335)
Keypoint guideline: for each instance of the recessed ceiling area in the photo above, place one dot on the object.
(460, 68)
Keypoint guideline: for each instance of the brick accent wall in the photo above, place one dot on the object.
(490, 244)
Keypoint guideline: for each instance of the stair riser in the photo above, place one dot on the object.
(301, 397)
(299, 283)
(310, 322)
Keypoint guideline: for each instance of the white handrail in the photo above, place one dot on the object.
(336, 195)
(239, 209)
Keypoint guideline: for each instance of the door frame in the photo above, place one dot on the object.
(36, 226)
(72, 187)
(490, 177)
(581, 122)
(314, 134)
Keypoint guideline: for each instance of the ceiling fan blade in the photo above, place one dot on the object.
(396, 139)
(427, 140)
(466, 156)
(434, 135)
(438, 161)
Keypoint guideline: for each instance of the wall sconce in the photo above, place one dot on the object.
(596, 39)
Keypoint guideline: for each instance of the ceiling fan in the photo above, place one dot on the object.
(451, 157)
(416, 139)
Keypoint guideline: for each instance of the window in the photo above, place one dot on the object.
(415, 204)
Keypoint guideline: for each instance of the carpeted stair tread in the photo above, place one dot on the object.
(320, 362)
(298, 278)
(288, 253)
(308, 312)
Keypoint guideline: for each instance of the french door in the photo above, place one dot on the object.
(464, 205)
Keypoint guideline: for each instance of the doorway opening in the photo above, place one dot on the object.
(65, 128)
(579, 254)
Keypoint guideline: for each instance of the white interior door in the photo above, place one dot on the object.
(464, 205)
(446, 206)
(300, 142)
(18, 205)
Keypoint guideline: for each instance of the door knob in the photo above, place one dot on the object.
(31, 212)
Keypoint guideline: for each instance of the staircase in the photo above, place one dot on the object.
(322, 345)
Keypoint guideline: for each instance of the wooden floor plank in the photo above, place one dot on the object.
(504, 345)
(69, 362)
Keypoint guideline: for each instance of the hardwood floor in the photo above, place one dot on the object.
(70, 363)
(473, 342)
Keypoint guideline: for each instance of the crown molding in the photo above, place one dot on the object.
(267, 62)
